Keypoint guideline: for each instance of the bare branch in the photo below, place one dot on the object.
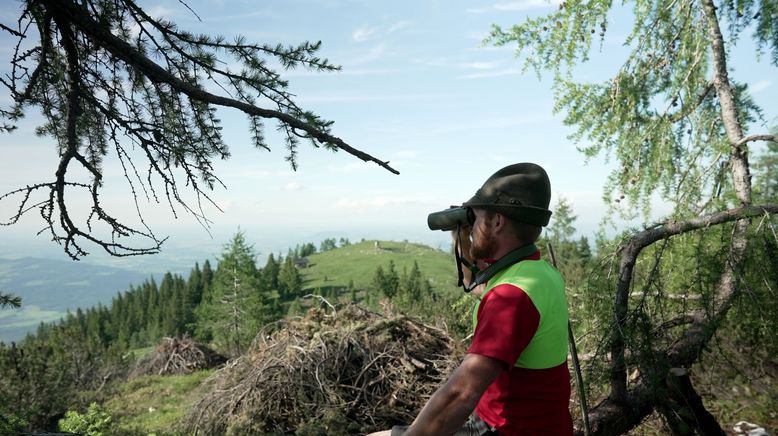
(752, 138)
(629, 255)
(11, 31)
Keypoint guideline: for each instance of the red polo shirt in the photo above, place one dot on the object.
(520, 401)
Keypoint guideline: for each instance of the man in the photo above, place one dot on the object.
(514, 379)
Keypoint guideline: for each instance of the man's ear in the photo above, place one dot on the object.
(498, 222)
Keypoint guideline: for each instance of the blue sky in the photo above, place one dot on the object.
(417, 89)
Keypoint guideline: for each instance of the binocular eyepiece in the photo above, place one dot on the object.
(450, 218)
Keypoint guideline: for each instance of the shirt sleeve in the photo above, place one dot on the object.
(507, 321)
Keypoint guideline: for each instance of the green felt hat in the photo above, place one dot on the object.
(520, 191)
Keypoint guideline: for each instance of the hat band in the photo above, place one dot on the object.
(527, 214)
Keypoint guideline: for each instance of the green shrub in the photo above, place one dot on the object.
(96, 421)
(11, 424)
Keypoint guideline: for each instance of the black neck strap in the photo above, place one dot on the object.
(504, 262)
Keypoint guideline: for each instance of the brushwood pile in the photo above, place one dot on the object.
(345, 372)
(175, 356)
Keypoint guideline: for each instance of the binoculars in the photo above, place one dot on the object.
(450, 218)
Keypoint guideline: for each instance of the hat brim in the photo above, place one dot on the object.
(526, 214)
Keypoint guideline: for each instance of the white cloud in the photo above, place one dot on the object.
(761, 86)
(347, 203)
(159, 12)
(498, 158)
(435, 62)
(364, 33)
(481, 65)
(368, 72)
(399, 26)
(293, 186)
(380, 202)
(241, 16)
(349, 167)
(346, 71)
(458, 63)
(478, 36)
(525, 5)
(374, 53)
(225, 206)
(494, 73)
(407, 154)
(263, 174)
(521, 5)
(492, 123)
(341, 98)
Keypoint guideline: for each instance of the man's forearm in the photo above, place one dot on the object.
(450, 406)
(444, 413)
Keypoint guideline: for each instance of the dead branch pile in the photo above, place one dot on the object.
(177, 356)
(349, 373)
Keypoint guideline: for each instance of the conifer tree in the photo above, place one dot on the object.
(306, 250)
(152, 317)
(290, 281)
(387, 283)
(194, 286)
(379, 279)
(392, 281)
(328, 244)
(119, 318)
(269, 275)
(561, 226)
(193, 296)
(236, 307)
(207, 275)
(416, 285)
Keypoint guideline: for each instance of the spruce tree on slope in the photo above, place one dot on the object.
(235, 308)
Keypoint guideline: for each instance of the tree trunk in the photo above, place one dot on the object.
(684, 411)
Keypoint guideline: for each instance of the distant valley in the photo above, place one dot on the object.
(50, 287)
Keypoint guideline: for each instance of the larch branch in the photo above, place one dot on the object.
(102, 36)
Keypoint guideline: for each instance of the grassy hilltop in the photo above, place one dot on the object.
(358, 262)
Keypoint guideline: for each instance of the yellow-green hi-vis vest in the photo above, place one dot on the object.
(545, 287)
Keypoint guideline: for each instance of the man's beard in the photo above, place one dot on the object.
(483, 240)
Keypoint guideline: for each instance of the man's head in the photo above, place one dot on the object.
(511, 208)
